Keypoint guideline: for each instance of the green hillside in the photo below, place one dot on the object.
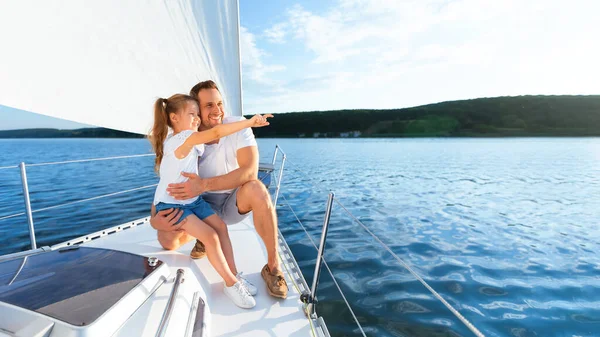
(521, 116)
(78, 133)
(500, 116)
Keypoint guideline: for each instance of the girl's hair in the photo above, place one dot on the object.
(163, 107)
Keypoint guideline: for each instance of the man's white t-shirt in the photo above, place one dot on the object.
(221, 158)
(171, 167)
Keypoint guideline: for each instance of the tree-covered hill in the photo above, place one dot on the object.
(77, 133)
(499, 116)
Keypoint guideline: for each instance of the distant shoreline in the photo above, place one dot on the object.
(520, 116)
(498, 117)
(478, 136)
(59, 133)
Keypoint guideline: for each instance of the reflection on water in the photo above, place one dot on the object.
(505, 229)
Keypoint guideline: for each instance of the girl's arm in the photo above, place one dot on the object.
(219, 131)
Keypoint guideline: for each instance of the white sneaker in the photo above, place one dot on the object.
(252, 290)
(239, 295)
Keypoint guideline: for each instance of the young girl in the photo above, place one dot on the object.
(179, 152)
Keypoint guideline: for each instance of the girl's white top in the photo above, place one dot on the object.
(171, 167)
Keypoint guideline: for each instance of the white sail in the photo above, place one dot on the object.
(105, 62)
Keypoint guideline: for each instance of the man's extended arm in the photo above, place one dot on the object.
(247, 158)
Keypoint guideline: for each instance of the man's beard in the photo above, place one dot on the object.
(208, 125)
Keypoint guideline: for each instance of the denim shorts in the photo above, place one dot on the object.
(200, 208)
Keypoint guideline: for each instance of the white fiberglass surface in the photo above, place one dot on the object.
(270, 317)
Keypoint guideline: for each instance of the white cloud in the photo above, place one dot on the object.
(386, 29)
(276, 33)
(252, 60)
(394, 53)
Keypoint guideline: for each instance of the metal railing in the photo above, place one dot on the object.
(310, 297)
(313, 289)
(164, 321)
(24, 254)
(27, 205)
(283, 159)
(26, 198)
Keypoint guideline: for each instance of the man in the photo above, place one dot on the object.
(229, 183)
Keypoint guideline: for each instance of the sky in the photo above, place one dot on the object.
(374, 54)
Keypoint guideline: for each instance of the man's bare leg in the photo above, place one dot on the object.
(253, 196)
(173, 240)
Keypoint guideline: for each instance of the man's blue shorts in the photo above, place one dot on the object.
(200, 208)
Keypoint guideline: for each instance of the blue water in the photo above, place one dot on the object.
(505, 229)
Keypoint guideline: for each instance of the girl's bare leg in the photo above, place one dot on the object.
(205, 233)
(221, 228)
(173, 240)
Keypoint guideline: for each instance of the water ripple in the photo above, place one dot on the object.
(508, 240)
(506, 230)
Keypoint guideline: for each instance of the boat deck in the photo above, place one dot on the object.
(270, 317)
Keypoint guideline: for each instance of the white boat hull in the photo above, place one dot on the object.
(270, 317)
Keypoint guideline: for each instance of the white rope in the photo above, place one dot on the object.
(92, 159)
(78, 161)
(435, 293)
(80, 201)
(314, 183)
(438, 296)
(94, 198)
(11, 216)
(326, 266)
(8, 167)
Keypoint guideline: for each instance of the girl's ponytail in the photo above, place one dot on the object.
(159, 130)
(163, 107)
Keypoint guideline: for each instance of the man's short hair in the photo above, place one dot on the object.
(210, 84)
